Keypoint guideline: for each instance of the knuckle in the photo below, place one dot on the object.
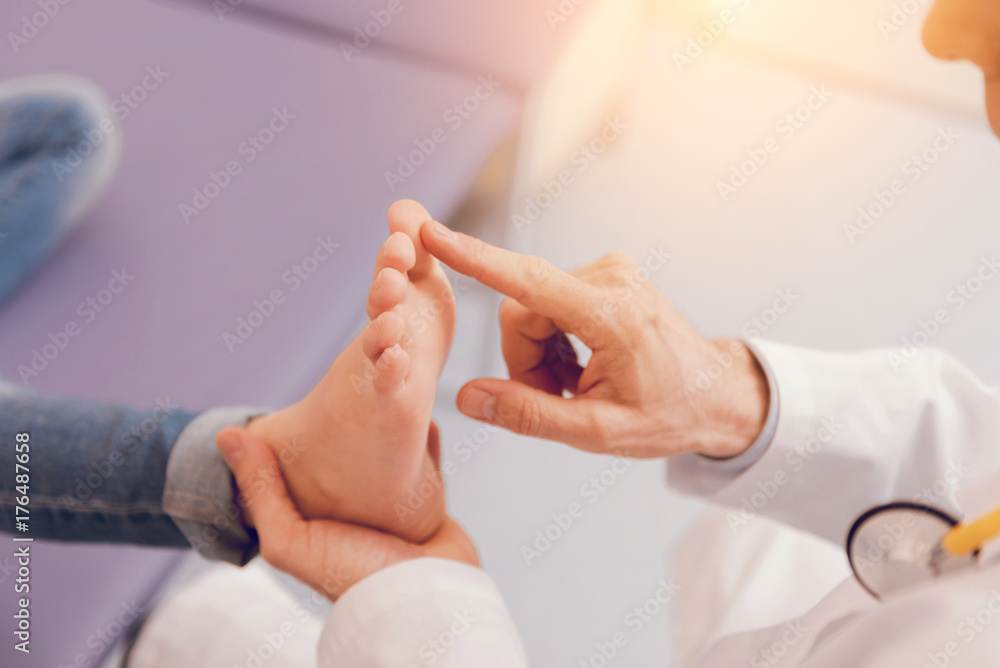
(627, 319)
(604, 314)
(479, 260)
(618, 259)
(538, 271)
(610, 304)
(528, 418)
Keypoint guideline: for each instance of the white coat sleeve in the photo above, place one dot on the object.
(854, 431)
(420, 613)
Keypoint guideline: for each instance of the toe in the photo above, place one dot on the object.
(408, 216)
(387, 291)
(381, 333)
(391, 369)
(396, 253)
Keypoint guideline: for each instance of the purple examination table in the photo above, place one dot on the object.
(347, 115)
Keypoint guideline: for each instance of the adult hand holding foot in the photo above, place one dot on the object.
(327, 555)
(638, 394)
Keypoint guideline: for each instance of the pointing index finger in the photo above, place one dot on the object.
(531, 281)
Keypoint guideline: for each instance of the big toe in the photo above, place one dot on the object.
(408, 216)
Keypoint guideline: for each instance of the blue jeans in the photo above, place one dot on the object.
(37, 132)
(96, 472)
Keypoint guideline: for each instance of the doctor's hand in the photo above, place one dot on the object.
(328, 556)
(653, 387)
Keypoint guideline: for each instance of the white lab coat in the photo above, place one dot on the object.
(852, 432)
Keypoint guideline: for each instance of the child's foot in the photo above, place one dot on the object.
(361, 446)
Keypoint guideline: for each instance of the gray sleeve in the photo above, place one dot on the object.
(200, 493)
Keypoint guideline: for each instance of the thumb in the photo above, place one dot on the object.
(327, 555)
(531, 412)
(263, 493)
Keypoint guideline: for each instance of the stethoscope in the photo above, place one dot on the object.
(899, 545)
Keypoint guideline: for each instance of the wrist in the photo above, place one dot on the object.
(740, 406)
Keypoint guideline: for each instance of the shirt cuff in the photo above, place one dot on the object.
(200, 493)
(721, 471)
(415, 604)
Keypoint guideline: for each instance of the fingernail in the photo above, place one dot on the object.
(444, 231)
(479, 405)
(231, 448)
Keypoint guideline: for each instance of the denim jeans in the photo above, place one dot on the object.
(37, 131)
(95, 472)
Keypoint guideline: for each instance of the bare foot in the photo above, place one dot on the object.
(361, 447)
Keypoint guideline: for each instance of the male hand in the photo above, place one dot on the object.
(328, 556)
(643, 392)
